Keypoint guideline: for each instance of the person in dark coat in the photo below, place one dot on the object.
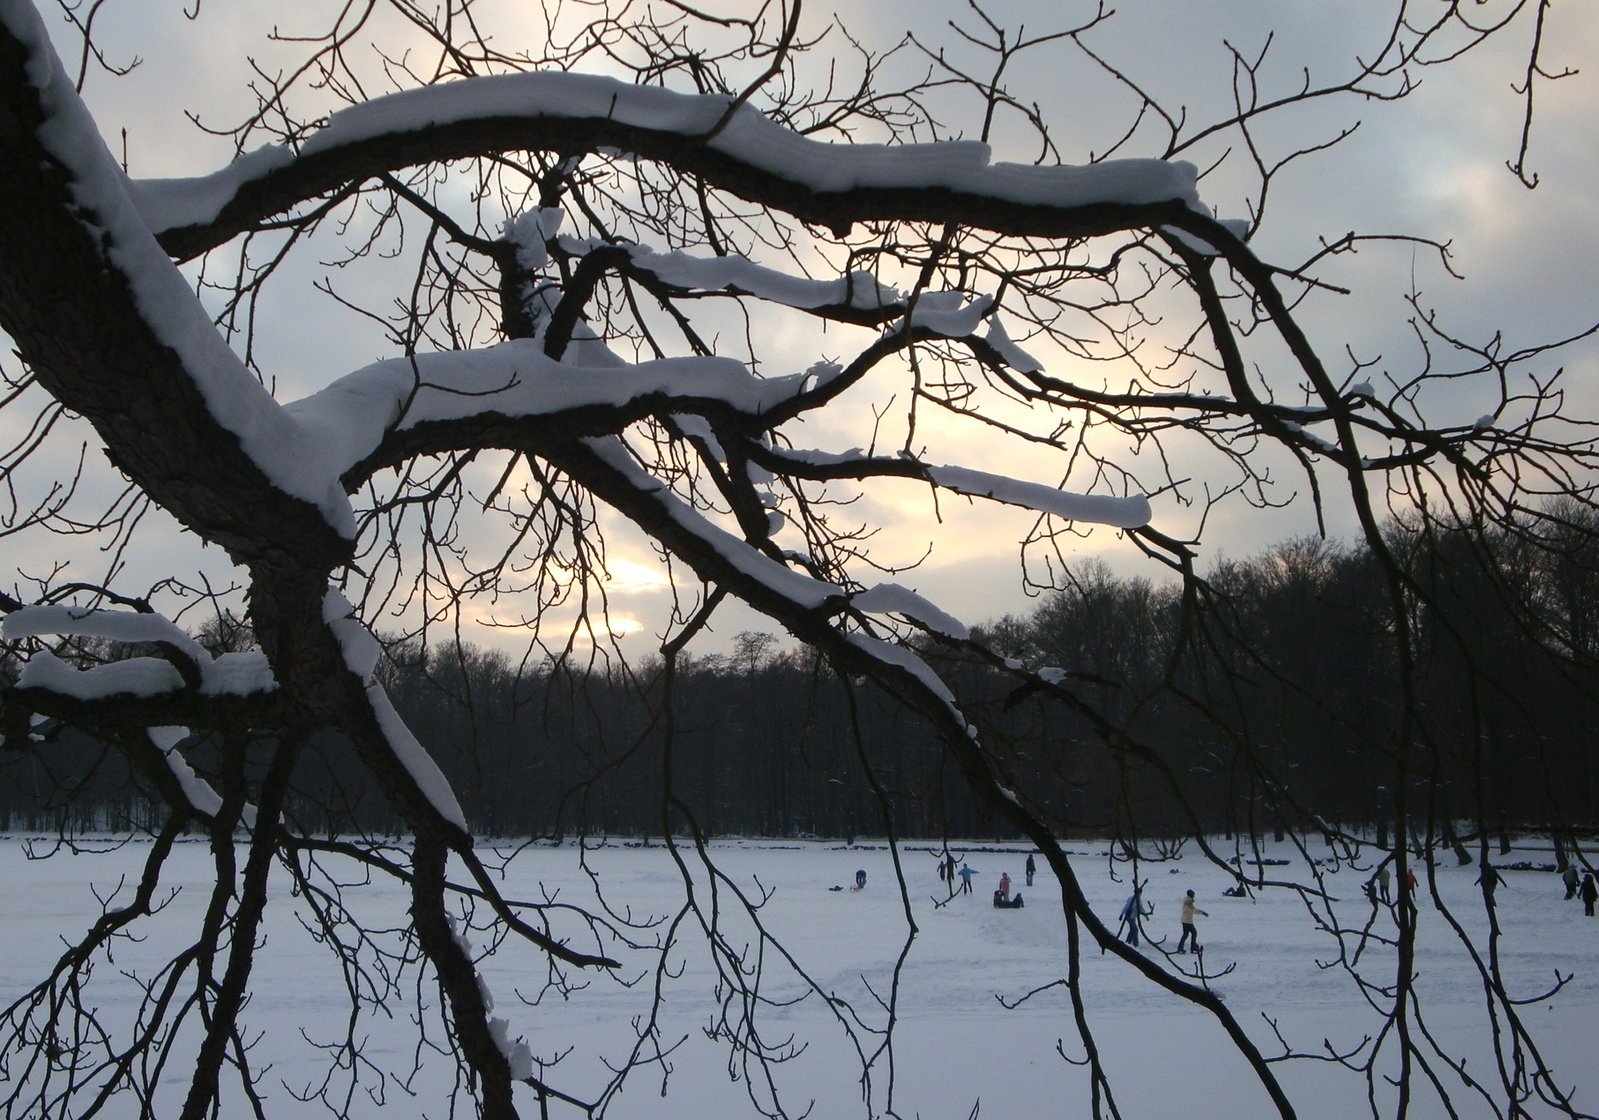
(1569, 877)
(1588, 892)
(1030, 869)
(1134, 911)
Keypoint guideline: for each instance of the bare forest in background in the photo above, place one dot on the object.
(1284, 730)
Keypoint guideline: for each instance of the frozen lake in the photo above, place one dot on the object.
(957, 1049)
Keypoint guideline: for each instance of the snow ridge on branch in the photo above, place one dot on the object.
(228, 674)
(749, 138)
(361, 652)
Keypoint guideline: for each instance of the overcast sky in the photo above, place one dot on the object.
(1432, 166)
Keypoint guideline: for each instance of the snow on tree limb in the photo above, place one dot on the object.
(859, 290)
(165, 302)
(751, 155)
(1101, 509)
(242, 673)
(202, 796)
(361, 652)
(891, 598)
(121, 626)
(347, 421)
(305, 449)
(803, 592)
(1015, 357)
(137, 676)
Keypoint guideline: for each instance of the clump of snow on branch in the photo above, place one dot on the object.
(237, 674)
(350, 417)
(137, 676)
(947, 314)
(116, 626)
(859, 289)
(229, 674)
(899, 656)
(1131, 512)
(1311, 439)
(361, 652)
(201, 794)
(518, 1055)
(891, 598)
(531, 233)
(1101, 509)
(1015, 357)
(360, 648)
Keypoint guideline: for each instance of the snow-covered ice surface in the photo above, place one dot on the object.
(956, 1047)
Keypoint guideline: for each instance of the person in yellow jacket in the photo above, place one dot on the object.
(1190, 935)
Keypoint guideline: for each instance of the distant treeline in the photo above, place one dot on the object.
(1266, 699)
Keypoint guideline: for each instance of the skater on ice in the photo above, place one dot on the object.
(1134, 911)
(1190, 935)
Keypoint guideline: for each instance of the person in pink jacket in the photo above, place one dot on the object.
(1004, 886)
(1190, 935)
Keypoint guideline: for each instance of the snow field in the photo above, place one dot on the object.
(956, 1047)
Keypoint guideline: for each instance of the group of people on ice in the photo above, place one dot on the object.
(1379, 887)
(1002, 895)
(1587, 891)
(1135, 910)
(1579, 885)
(949, 872)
